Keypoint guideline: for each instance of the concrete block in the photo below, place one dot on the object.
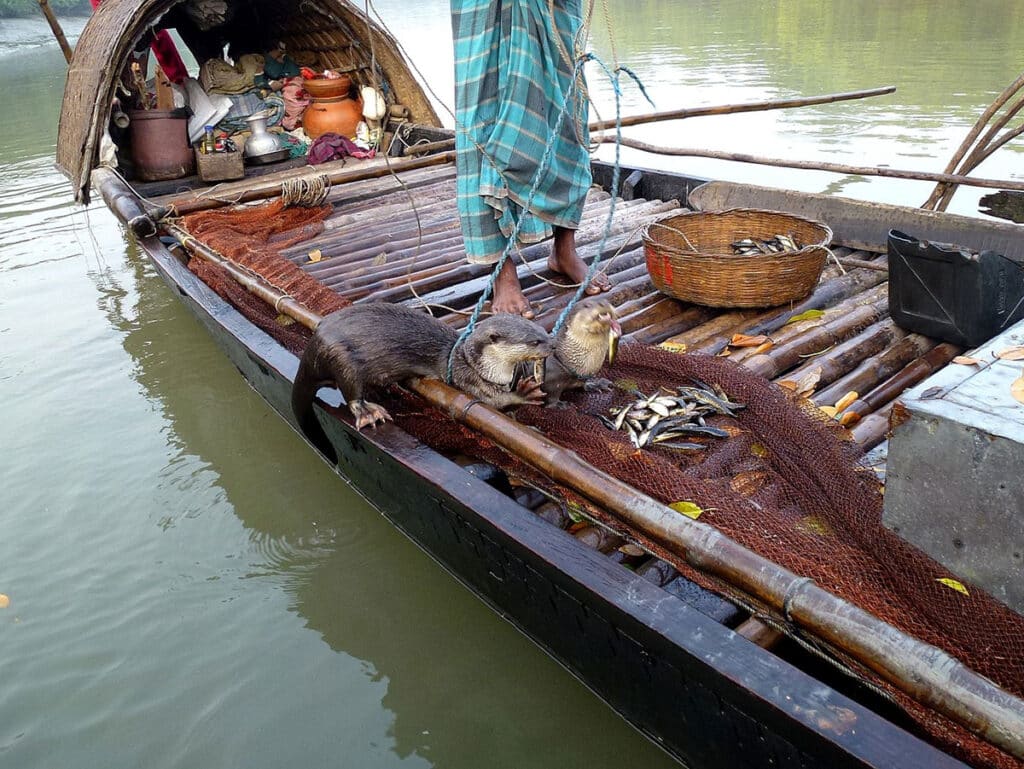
(955, 471)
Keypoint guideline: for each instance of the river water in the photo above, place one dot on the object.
(189, 588)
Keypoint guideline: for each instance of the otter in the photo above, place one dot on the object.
(588, 337)
(376, 344)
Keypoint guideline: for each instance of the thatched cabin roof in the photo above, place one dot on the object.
(334, 32)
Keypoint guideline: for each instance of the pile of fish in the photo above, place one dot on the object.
(671, 419)
(779, 244)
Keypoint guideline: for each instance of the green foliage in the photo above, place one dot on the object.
(10, 8)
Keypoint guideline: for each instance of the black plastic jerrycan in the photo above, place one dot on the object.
(952, 294)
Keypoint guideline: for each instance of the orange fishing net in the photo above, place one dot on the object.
(785, 484)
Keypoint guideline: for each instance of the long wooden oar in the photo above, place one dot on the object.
(814, 165)
(926, 673)
(55, 27)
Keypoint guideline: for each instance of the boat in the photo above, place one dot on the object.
(700, 674)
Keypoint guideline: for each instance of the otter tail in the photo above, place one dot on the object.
(303, 391)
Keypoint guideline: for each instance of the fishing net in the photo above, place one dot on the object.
(785, 483)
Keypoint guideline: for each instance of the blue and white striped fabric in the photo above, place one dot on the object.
(511, 81)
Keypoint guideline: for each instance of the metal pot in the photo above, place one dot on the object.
(261, 142)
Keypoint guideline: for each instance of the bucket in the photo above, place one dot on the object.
(160, 148)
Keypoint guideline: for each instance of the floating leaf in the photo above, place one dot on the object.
(953, 585)
(316, 255)
(632, 550)
(749, 482)
(689, 509)
(380, 259)
(677, 347)
(4, 601)
(284, 320)
(1012, 353)
(742, 340)
(806, 315)
(1017, 388)
(966, 360)
(758, 450)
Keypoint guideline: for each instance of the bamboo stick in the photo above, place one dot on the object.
(845, 357)
(876, 369)
(816, 165)
(872, 429)
(56, 29)
(185, 206)
(926, 673)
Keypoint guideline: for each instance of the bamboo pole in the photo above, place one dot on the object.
(926, 673)
(875, 369)
(55, 27)
(814, 165)
(344, 176)
(683, 114)
(732, 109)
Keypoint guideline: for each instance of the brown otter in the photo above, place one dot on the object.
(588, 337)
(375, 344)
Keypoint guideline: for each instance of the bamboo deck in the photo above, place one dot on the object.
(397, 239)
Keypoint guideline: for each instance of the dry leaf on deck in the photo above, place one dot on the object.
(804, 386)
(316, 255)
(953, 584)
(749, 482)
(632, 550)
(380, 259)
(846, 401)
(1012, 353)
(806, 315)
(829, 410)
(689, 509)
(764, 348)
(1017, 388)
(677, 347)
(966, 360)
(758, 450)
(4, 601)
(742, 340)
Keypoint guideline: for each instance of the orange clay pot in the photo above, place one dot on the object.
(339, 115)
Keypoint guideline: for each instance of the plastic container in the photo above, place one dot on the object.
(160, 148)
(951, 293)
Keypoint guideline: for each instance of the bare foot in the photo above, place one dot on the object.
(565, 261)
(508, 294)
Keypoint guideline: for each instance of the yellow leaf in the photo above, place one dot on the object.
(380, 259)
(758, 450)
(966, 360)
(953, 585)
(678, 347)
(830, 410)
(284, 320)
(4, 601)
(765, 347)
(807, 315)
(742, 340)
(812, 524)
(1017, 388)
(1012, 353)
(630, 549)
(316, 255)
(689, 509)
(846, 401)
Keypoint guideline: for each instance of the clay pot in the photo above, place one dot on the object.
(160, 148)
(323, 88)
(339, 115)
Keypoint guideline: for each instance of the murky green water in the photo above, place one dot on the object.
(189, 588)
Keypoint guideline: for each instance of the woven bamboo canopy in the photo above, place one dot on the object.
(331, 33)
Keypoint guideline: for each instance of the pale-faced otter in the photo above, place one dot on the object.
(588, 337)
(376, 344)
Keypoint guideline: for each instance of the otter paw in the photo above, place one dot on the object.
(367, 413)
(531, 391)
(597, 384)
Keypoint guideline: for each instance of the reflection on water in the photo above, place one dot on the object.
(189, 588)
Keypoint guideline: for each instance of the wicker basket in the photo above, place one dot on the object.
(689, 257)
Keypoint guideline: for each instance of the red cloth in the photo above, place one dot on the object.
(166, 53)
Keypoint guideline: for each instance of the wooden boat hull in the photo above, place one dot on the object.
(706, 695)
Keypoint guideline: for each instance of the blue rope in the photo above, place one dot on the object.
(542, 166)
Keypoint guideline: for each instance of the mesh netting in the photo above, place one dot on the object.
(785, 484)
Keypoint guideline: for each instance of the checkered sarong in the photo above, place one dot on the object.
(511, 81)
